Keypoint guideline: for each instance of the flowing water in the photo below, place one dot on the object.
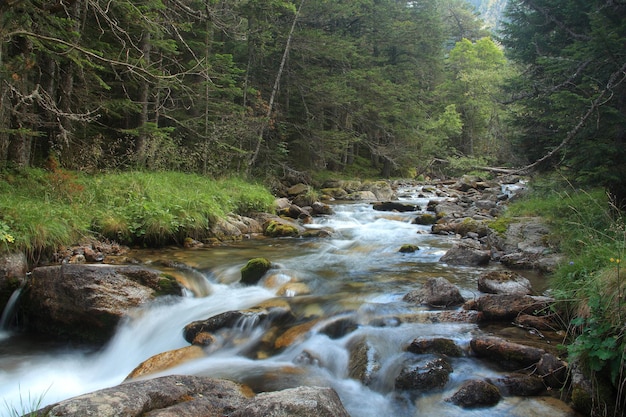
(357, 273)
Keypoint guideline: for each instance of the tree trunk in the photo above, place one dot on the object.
(144, 95)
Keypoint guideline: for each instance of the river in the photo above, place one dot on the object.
(357, 272)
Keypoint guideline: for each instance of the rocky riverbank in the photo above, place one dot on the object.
(89, 287)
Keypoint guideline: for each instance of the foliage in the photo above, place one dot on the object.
(131, 207)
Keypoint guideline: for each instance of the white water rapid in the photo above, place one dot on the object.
(357, 272)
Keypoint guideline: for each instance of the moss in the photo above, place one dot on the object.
(277, 229)
(425, 219)
(254, 270)
(500, 225)
(168, 285)
(408, 248)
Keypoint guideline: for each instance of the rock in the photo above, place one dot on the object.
(528, 321)
(13, 269)
(294, 402)
(364, 360)
(504, 282)
(381, 190)
(440, 346)
(292, 289)
(319, 208)
(254, 269)
(466, 255)
(298, 189)
(394, 206)
(511, 356)
(552, 370)
(166, 360)
(169, 396)
(425, 219)
(408, 248)
(476, 393)
(233, 318)
(509, 306)
(520, 385)
(281, 228)
(436, 292)
(86, 302)
(424, 376)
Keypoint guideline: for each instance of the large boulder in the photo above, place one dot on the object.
(294, 402)
(167, 396)
(86, 302)
(436, 292)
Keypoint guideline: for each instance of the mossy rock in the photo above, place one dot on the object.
(254, 270)
(168, 285)
(278, 229)
(408, 248)
(425, 219)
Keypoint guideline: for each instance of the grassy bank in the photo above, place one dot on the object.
(590, 286)
(43, 209)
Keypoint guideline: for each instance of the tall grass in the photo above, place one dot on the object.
(41, 210)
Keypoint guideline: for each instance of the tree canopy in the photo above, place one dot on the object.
(245, 86)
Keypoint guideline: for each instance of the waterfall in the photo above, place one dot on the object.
(9, 312)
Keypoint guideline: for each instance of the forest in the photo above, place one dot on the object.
(368, 87)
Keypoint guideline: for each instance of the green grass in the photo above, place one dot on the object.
(41, 210)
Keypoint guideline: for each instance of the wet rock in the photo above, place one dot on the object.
(436, 292)
(424, 376)
(476, 393)
(508, 355)
(425, 219)
(440, 346)
(294, 334)
(338, 327)
(467, 255)
(364, 360)
(86, 302)
(166, 360)
(167, 396)
(408, 248)
(504, 282)
(509, 306)
(259, 315)
(292, 289)
(394, 206)
(294, 402)
(254, 269)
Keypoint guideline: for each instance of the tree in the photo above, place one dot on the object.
(573, 112)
